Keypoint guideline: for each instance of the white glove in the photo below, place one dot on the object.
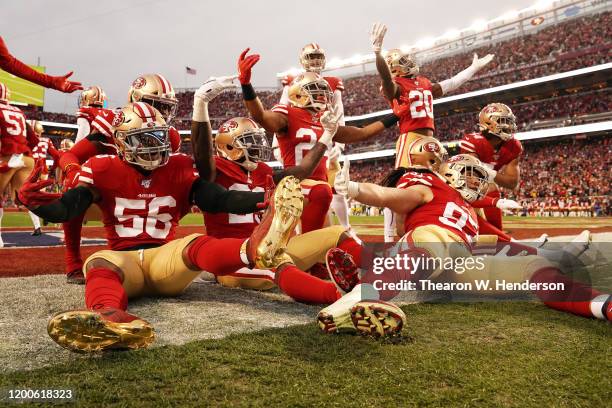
(212, 88)
(492, 174)
(507, 205)
(330, 120)
(343, 185)
(480, 63)
(334, 154)
(377, 35)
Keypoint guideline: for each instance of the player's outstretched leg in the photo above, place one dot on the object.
(106, 325)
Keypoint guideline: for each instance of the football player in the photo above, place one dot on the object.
(95, 136)
(400, 78)
(312, 59)
(440, 224)
(496, 147)
(13, 66)
(143, 193)
(17, 139)
(45, 147)
(242, 150)
(298, 127)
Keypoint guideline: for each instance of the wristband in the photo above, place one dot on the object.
(389, 120)
(200, 111)
(248, 93)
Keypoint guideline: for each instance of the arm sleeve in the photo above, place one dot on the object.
(339, 105)
(73, 203)
(213, 198)
(83, 129)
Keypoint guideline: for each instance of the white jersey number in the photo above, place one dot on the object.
(16, 123)
(149, 224)
(310, 139)
(422, 104)
(457, 217)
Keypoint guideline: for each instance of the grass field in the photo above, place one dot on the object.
(224, 347)
(494, 354)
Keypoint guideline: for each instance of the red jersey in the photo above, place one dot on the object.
(302, 133)
(334, 83)
(140, 209)
(15, 135)
(41, 149)
(478, 145)
(99, 119)
(233, 177)
(419, 94)
(448, 209)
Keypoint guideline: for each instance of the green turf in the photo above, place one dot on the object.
(494, 354)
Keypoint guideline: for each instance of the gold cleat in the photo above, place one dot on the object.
(352, 314)
(99, 330)
(267, 244)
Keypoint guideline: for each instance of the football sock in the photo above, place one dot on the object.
(103, 288)
(72, 242)
(389, 218)
(315, 212)
(576, 297)
(340, 207)
(494, 214)
(305, 288)
(217, 256)
(35, 220)
(352, 247)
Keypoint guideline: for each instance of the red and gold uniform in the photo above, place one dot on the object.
(140, 209)
(16, 137)
(100, 119)
(418, 92)
(302, 133)
(477, 145)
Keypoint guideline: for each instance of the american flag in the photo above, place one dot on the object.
(190, 71)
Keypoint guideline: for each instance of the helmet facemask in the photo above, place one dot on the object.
(148, 148)
(470, 180)
(313, 61)
(167, 107)
(319, 95)
(255, 148)
(506, 127)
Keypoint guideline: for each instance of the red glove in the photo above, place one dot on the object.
(245, 64)
(30, 194)
(400, 109)
(269, 190)
(12, 65)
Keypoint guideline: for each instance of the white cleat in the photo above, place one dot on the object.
(355, 313)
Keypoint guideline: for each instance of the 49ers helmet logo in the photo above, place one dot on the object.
(139, 82)
(118, 118)
(229, 126)
(431, 147)
(491, 109)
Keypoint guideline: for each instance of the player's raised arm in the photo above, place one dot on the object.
(389, 87)
(55, 207)
(201, 131)
(330, 121)
(271, 121)
(401, 201)
(508, 176)
(449, 85)
(353, 134)
(12, 65)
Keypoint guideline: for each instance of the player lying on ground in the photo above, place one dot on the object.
(95, 136)
(298, 127)
(440, 224)
(143, 193)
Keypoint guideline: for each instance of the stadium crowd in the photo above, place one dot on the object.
(555, 177)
